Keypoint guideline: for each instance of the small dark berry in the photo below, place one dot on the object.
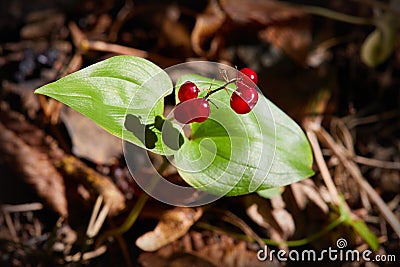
(251, 74)
(244, 99)
(192, 110)
(187, 91)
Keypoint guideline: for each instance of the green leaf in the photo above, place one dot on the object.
(107, 91)
(231, 154)
(269, 193)
(362, 229)
(359, 226)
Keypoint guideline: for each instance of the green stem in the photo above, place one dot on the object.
(134, 213)
(328, 13)
(289, 243)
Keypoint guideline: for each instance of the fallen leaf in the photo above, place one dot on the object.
(292, 37)
(89, 140)
(287, 28)
(215, 250)
(206, 27)
(173, 224)
(73, 168)
(34, 168)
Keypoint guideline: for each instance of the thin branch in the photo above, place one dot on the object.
(10, 226)
(319, 158)
(377, 163)
(114, 48)
(125, 12)
(22, 207)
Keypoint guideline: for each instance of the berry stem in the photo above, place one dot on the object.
(221, 87)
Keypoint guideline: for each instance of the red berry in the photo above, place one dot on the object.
(251, 74)
(192, 110)
(187, 91)
(244, 99)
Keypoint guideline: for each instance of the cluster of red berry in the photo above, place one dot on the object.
(194, 109)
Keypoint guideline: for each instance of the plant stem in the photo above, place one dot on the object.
(328, 13)
(134, 213)
(289, 243)
(221, 87)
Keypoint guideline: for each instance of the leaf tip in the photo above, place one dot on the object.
(39, 91)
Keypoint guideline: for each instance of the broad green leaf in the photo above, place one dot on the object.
(107, 91)
(231, 154)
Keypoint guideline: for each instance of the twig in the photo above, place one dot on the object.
(133, 214)
(238, 222)
(87, 255)
(354, 122)
(97, 218)
(22, 207)
(319, 158)
(122, 16)
(114, 48)
(377, 163)
(10, 226)
(354, 171)
(288, 243)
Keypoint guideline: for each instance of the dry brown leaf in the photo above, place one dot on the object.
(265, 12)
(211, 250)
(306, 191)
(292, 37)
(94, 181)
(287, 28)
(100, 149)
(34, 168)
(205, 29)
(72, 167)
(173, 224)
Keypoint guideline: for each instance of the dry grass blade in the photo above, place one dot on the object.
(97, 218)
(238, 222)
(87, 255)
(353, 169)
(319, 158)
(22, 207)
(377, 163)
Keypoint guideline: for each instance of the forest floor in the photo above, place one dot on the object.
(57, 181)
